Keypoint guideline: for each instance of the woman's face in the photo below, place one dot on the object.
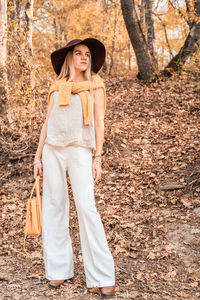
(81, 57)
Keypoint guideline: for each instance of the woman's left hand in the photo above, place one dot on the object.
(96, 170)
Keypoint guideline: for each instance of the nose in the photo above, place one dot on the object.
(84, 57)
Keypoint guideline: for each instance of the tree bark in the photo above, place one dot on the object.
(56, 33)
(113, 44)
(167, 40)
(166, 35)
(137, 39)
(190, 46)
(150, 29)
(29, 26)
(142, 13)
(3, 50)
(104, 18)
(129, 56)
(29, 37)
(63, 35)
(14, 35)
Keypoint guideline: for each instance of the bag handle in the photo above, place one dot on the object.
(38, 186)
(33, 188)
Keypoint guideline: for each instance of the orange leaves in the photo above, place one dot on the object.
(151, 140)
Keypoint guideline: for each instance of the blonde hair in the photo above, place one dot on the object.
(68, 71)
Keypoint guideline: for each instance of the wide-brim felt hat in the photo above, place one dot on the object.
(97, 49)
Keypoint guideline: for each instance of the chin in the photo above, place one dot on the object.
(83, 69)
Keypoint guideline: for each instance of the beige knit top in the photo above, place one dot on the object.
(65, 125)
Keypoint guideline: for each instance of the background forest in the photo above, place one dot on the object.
(149, 194)
(31, 30)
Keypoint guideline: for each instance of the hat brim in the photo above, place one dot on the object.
(97, 49)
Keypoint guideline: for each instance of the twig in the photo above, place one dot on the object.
(22, 156)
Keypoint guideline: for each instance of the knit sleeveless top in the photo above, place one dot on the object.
(65, 125)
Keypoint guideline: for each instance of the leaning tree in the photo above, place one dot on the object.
(140, 46)
(144, 49)
(192, 41)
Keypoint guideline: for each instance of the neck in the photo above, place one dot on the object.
(79, 76)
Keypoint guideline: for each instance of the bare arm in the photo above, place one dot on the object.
(43, 134)
(99, 131)
(99, 120)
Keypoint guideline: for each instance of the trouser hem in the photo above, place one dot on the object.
(59, 277)
(100, 284)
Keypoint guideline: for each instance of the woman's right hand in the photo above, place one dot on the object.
(37, 170)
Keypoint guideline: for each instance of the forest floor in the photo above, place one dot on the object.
(148, 197)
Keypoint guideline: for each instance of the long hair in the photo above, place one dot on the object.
(68, 71)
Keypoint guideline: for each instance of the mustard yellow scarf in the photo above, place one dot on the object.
(82, 89)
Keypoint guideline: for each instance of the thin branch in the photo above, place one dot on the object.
(166, 36)
(180, 13)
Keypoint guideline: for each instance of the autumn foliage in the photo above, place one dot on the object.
(148, 197)
(149, 194)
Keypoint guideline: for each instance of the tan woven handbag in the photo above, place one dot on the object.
(33, 226)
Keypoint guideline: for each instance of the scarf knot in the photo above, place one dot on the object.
(66, 88)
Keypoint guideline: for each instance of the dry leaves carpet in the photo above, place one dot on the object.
(148, 197)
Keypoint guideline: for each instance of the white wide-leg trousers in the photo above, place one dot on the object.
(58, 254)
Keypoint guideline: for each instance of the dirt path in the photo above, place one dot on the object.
(152, 140)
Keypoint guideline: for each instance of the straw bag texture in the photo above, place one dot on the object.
(33, 226)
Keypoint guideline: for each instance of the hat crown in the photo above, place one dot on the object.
(73, 42)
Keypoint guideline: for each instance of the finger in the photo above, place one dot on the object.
(40, 171)
(95, 174)
(95, 178)
(98, 175)
(35, 172)
(93, 171)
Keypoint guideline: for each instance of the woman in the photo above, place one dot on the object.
(72, 132)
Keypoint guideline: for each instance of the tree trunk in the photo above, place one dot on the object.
(137, 39)
(14, 36)
(190, 46)
(56, 33)
(3, 50)
(142, 13)
(150, 29)
(29, 26)
(167, 40)
(63, 35)
(129, 56)
(14, 11)
(166, 36)
(105, 66)
(29, 37)
(113, 44)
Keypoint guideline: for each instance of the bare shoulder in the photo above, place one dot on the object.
(99, 93)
